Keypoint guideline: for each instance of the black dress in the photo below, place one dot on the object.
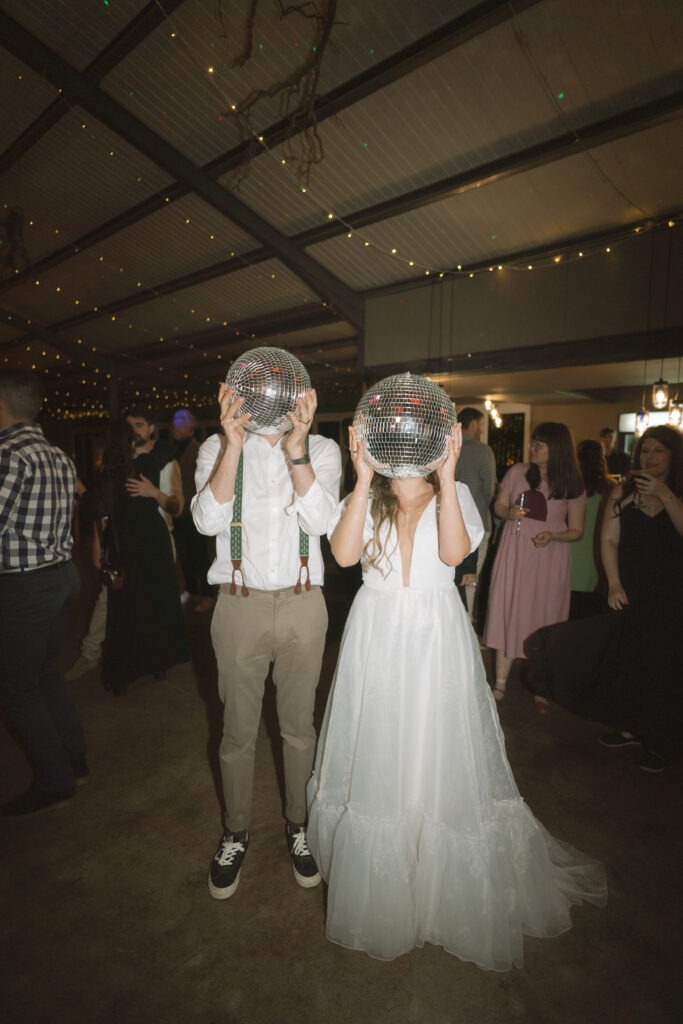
(145, 627)
(625, 668)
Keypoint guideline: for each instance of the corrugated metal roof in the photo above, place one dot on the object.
(78, 30)
(115, 208)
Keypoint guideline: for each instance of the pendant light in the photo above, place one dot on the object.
(676, 407)
(642, 416)
(660, 394)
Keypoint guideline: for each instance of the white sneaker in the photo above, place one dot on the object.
(80, 667)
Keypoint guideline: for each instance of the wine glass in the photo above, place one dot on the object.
(520, 505)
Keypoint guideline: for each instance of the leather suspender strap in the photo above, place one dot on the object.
(303, 554)
(236, 531)
(303, 568)
(304, 579)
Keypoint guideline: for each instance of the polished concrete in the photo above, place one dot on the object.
(106, 916)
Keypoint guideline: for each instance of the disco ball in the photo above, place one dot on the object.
(403, 423)
(269, 380)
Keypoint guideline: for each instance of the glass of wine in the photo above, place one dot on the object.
(520, 505)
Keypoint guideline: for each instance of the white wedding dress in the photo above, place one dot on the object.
(415, 820)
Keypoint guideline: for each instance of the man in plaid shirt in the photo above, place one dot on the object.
(38, 586)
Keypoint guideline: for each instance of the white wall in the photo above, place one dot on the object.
(634, 288)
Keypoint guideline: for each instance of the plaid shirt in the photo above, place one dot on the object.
(37, 489)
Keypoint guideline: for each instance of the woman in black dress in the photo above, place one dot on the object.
(642, 554)
(145, 632)
(624, 668)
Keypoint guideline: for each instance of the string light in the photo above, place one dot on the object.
(557, 258)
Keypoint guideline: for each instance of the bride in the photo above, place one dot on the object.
(415, 820)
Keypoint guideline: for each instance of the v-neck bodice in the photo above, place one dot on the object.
(426, 568)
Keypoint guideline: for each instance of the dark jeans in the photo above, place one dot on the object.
(33, 612)
(193, 555)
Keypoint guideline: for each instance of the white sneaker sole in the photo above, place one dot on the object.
(306, 881)
(223, 892)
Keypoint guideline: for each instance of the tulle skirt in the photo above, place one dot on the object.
(415, 820)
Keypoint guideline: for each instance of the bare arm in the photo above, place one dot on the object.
(454, 541)
(347, 540)
(295, 442)
(576, 517)
(222, 481)
(503, 509)
(674, 509)
(171, 489)
(609, 549)
(501, 504)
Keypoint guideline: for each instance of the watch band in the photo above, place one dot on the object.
(303, 461)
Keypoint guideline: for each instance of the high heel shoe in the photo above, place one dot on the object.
(499, 693)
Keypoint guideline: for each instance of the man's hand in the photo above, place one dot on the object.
(232, 420)
(301, 418)
(142, 488)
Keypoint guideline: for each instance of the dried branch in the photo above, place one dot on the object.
(297, 91)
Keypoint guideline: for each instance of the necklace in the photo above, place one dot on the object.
(647, 506)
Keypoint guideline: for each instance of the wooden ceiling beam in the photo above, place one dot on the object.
(149, 18)
(570, 144)
(661, 343)
(76, 89)
(460, 30)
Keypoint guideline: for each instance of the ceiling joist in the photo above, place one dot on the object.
(76, 89)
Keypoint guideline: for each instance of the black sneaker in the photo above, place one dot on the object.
(303, 865)
(34, 801)
(615, 740)
(651, 762)
(224, 872)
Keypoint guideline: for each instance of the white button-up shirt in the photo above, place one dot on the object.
(271, 511)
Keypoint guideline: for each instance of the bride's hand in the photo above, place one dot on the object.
(446, 470)
(364, 472)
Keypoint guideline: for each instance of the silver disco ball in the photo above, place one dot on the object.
(269, 380)
(403, 423)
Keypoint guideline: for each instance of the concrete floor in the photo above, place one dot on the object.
(106, 915)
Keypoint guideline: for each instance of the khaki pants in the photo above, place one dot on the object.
(249, 633)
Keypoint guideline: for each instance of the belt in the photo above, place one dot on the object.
(35, 568)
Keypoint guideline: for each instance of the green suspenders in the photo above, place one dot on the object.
(236, 540)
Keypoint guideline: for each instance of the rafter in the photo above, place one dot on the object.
(76, 89)
(460, 30)
(599, 133)
(149, 18)
(661, 343)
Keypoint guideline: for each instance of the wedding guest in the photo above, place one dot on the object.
(542, 504)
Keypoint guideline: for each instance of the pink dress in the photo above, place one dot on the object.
(530, 586)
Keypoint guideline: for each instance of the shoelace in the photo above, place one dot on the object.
(228, 852)
(299, 844)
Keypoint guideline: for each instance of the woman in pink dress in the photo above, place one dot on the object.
(543, 505)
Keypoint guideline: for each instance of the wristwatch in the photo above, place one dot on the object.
(303, 461)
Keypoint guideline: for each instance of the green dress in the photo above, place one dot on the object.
(583, 552)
